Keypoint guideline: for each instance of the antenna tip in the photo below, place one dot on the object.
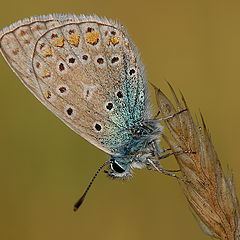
(75, 208)
(78, 203)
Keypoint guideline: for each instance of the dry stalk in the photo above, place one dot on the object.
(211, 195)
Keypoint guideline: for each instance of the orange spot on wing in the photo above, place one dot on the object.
(74, 39)
(59, 42)
(47, 52)
(113, 40)
(47, 93)
(92, 38)
(46, 73)
(126, 44)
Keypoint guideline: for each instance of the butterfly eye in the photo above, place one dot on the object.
(116, 167)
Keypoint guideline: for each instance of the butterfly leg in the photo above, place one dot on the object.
(157, 151)
(156, 115)
(157, 166)
(169, 117)
(161, 170)
(150, 167)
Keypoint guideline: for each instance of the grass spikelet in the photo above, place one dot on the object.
(210, 194)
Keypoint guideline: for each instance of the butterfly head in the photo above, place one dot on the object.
(121, 167)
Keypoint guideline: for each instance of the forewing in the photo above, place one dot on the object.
(85, 70)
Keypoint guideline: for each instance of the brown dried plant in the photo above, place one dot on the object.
(211, 195)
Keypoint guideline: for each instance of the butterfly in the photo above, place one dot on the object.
(87, 71)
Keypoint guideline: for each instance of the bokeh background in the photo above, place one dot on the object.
(45, 167)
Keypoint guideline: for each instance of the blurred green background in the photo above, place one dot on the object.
(45, 166)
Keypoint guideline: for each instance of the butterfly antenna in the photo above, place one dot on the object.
(80, 201)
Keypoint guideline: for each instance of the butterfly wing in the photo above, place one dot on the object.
(85, 70)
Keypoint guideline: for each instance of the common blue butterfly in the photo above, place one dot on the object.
(86, 70)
